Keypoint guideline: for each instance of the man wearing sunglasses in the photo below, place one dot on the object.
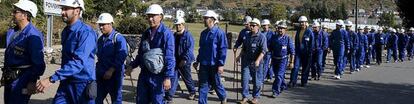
(23, 61)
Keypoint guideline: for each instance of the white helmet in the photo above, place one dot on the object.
(315, 24)
(247, 19)
(211, 13)
(28, 6)
(154, 9)
(303, 19)
(411, 29)
(348, 23)
(360, 28)
(73, 3)
(324, 26)
(256, 21)
(282, 24)
(340, 22)
(393, 30)
(366, 27)
(380, 29)
(105, 18)
(402, 30)
(265, 22)
(390, 29)
(179, 21)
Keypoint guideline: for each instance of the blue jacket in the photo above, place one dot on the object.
(354, 41)
(411, 38)
(280, 46)
(325, 40)
(363, 42)
(379, 39)
(307, 45)
(371, 38)
(164, 39)
(213, 47)
(392, 41)
(78, 53)
(26, 49)
(321, 42)
(253, 46)
(185, 48)
(269, 35)
(338, 40)
(402, 40)
(241, 37)
(111, 53)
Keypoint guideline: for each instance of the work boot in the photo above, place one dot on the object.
(224, 101)
(191, 96)
(254, 101)
(243, 101)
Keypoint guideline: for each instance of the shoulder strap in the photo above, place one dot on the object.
(114, 40)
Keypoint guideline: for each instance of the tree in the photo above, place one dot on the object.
(278, 12)
(387, 19)
(343, 12)
(405, 9)
(217, 4)
(230, 15)
(253, 12)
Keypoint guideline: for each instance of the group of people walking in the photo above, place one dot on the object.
(165, 56)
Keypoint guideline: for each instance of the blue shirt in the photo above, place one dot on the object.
(307, 44)
(402, 40)
(112, 52)
(78, 53)
(325, 40)
(363, 42)
(269, 35)
(320, 40)
(392, 41)
(25, 49)
(337, 40)
(281, 45)
(162, 38)
(353, 41)
(379, 39)
(185, 47)
(241, 37)
(213, 47)
(253, 46)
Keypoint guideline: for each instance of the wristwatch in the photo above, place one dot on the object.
(50, 80)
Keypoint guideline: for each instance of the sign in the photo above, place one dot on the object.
(52, 7)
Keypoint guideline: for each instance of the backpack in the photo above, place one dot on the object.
(153, 59)
(114, 41)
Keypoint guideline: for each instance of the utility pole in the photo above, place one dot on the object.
(356, 15)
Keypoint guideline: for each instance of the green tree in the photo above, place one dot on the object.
(253, 12)
(278, 12)
(230, 15)
(405, 9)
(343, 11)
(387, 19)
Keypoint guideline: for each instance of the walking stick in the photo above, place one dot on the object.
(234, 69)
(237, 85)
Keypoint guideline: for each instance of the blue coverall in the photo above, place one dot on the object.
(184, 47)
(410, 46)
(379, 42)
(337, 40)
(325, 50)
(402, 45)
(303, 56)
(280, 46)
(212, 54)
(241, 37)
(268, 70)
(373, 34)
(363, 46)
(354, 43)
(320, 44)
(392, 46)
(150, 86)
(347, 50)
(253, 46)
(77, 70)
(370, 51)
(23, 48)
(112, 52)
